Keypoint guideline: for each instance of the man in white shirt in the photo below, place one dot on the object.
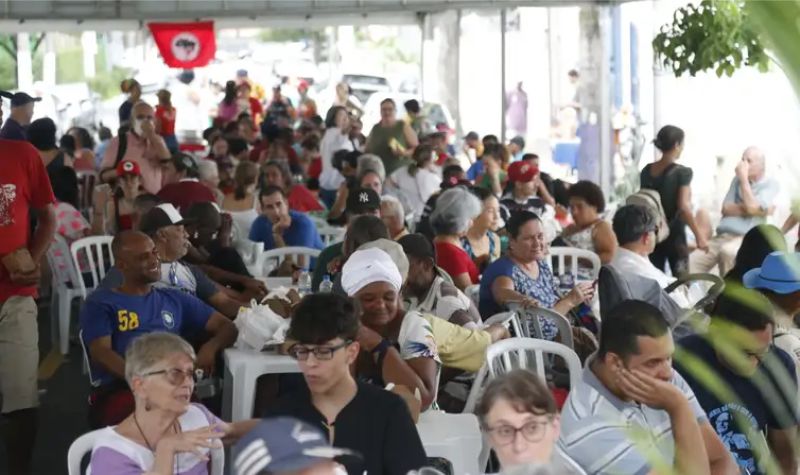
(635, 228)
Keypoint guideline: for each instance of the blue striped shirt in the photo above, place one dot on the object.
(606, 435)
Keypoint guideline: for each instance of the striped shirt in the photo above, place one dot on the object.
(606, 435)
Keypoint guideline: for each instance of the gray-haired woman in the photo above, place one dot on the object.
(167, 433)
(455, 210)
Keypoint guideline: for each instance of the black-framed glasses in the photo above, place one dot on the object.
(176, 376)
(532, 431)
(322, 353)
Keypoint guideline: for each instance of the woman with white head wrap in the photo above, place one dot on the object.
(400, 344)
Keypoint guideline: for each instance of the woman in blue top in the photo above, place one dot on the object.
(522, 276)
(481, 242)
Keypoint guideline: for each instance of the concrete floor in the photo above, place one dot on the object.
(62, 416)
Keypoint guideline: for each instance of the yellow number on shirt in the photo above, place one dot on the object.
(127, 320)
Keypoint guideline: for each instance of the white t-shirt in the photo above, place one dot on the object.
(333, 141)
(414, 191)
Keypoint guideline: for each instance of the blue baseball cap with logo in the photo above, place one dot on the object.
(283, 444)
(779, 273)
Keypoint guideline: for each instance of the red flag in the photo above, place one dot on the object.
(185, 45)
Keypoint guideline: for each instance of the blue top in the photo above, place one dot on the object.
(12, 130)
(764, 190)
(301, 232)
(107, 312)
(756, 401)
(542, 289)
(475, 170)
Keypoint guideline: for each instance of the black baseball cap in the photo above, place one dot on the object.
(161, 216)
(363, 200)
(20, 98)
(417, 245)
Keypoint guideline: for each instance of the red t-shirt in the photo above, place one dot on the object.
(167, 119)
(315, 168)
(300, 199)
(24, 185)
(455, 261)
(256, 110)
(185, 193)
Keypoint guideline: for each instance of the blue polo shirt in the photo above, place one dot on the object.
(301, 232)
(123, 317)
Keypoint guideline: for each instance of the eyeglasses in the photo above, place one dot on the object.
(321, 353)
(532, 432)
(176, 376)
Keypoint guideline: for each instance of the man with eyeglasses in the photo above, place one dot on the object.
(635, 228)
(758, 403)
(112, 317)
(166, 227)
(355, 415)
(140, 144)
(630, 412)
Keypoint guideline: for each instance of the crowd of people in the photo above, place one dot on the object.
(436, 241)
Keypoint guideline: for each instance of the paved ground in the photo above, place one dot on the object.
(63, 403)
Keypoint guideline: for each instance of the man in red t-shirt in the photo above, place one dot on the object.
(181, 187)
(24, 187)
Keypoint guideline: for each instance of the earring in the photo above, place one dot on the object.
(147, 406)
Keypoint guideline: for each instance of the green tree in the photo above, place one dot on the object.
(716, 35)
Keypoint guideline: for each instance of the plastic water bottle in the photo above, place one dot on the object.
(304, 283)
(326, 286)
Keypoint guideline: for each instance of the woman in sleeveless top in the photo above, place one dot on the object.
(114, 210)
(391, 139)
(481, 242)
(242, 203)
(589, 231)
(673, 183)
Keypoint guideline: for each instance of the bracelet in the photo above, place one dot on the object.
(381, 347)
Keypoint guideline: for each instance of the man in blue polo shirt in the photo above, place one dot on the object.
(111, 318)
(278, 226)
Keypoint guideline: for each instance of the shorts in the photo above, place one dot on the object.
(19, 354)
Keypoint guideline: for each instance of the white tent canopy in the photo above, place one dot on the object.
(104, 15)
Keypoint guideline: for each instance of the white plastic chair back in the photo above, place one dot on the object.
(331, 234)
(567, 259)
(84, 444)
(65, 286)
(530, 325)
(515, 353)
(473, 292)
(250, 252)
(274, 257)
(509, 319)
(86, 183)
(87, 361)
(97, 250)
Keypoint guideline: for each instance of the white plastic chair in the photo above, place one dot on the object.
(331, 234)
(64, 287)
(568, 259)
(278, 255)
(513, 353)
(96, 249)
(530, 326)
(87, 363)
(250, 252)
(473, 292)
(85, 443)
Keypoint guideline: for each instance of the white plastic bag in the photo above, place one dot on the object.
(259, 327)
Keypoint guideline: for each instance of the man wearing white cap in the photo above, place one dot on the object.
(165, 226)
(400, 344)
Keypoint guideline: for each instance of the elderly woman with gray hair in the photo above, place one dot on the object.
(452, 218)
(167, 433)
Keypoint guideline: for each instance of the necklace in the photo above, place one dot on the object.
(144, 437)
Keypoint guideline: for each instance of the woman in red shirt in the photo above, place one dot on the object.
(452, 217)
(165, 120)
(276, 173)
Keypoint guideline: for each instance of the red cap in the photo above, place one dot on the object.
(522, 172)
(128, 167)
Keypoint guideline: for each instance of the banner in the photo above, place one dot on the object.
(185, 45)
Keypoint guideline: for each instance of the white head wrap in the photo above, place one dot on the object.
(395, 251)
(368, 266)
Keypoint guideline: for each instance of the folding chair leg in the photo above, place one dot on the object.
(54, 302)
(64, 304)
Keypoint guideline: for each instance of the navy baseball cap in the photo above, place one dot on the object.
(282, 444)
(21, 98)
